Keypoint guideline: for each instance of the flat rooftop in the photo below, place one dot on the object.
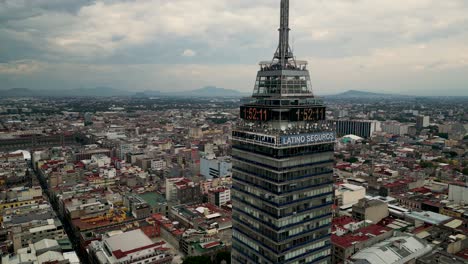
(128, 241)
(153, 198)
(428, 217)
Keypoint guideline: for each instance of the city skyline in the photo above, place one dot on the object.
(233, 132)
(416, 48)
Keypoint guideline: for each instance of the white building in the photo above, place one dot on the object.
(43, 251)
(349, 194)
(395, 128)
(31, 232)
(212, 167)
(219, 196)
(422, 121)
(158, 164)
(458, 193)
(129, 247)
(23, 193)
(100, 160)
(361, 128)
(401, 248)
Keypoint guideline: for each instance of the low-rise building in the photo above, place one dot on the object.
(219, 196)
(349, 194)
(129, 247)
(182, 190)
(401, 248)
(458, 193)
(137, 206)
(372, 210)
(426, 217)
(349, 236)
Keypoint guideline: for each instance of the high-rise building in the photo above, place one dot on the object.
(282, 153)
(362, 128)
(422, 121)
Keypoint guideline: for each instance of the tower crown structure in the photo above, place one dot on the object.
(283, 76)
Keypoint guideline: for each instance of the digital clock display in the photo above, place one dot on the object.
(307, 114)
(255, 113)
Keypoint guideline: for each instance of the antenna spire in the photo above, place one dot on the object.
(284, 53)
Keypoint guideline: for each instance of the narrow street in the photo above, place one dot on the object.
(67, 227)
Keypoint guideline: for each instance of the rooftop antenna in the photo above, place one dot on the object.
(284, 53)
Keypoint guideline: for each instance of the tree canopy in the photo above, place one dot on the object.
(197, 260)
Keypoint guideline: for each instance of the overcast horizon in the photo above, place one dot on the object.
(417, 47)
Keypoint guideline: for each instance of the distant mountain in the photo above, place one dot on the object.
(147, 93)
(361, 94)
(100, 92)
(18, 92)
(85, 92)
(208, 91)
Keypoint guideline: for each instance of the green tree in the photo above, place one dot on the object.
(223, 255)
(426, 164)
(197, 260)
(219, 120)
(443, 135)
(452, 154)
(465, 171)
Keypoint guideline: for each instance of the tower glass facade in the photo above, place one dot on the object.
(282, 153)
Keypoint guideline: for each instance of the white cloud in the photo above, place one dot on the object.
(20, 67)
(368, 43)
(189, 53)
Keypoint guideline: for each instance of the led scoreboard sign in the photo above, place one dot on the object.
(254, 113)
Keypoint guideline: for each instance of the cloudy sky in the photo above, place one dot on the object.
(400, 46)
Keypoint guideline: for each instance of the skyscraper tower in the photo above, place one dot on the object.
(282, 154)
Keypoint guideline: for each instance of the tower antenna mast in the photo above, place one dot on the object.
(284, 53)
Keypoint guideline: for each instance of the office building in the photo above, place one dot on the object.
(215, 167)
(458, 193)
(282, 152)
(422, 122)
(361, 128)
(219, 196)
(395, 128)
(340, 113)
